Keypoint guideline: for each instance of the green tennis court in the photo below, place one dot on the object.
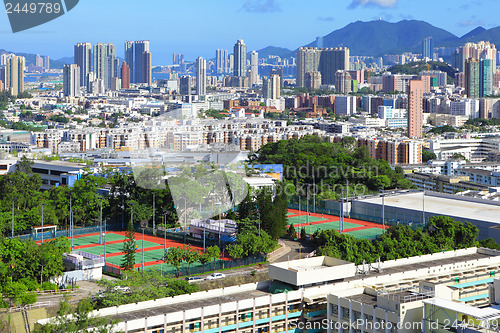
(371, 233)
(288, 214)
(303, 219)
(94, 239)
(117, 247)
(311, 229)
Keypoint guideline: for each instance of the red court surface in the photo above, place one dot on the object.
(138, 237)
(332, 218)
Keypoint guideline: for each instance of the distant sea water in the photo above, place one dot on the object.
(160, 76)
(38, 77)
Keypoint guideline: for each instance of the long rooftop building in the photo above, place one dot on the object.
(323, 292)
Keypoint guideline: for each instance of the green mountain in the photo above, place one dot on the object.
(31, 58)
(376, 38)
(273, 50)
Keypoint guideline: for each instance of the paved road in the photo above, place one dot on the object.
(298, 249)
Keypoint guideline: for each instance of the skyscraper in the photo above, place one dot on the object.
(178, 58)
(201, 77)
(326, 61)
(185, 86)
(332, 60)
(485, 77)
(254, 67)
(221, 61)
(480, 50)
(46, 62)
(147, 68)
(14, 75)
(307, 62)
(129, 59)
(99, 53)
(111, 65)
(82, 60)
(38, 61)
(415, 108)
(471, 72)
(71, 80)
(125, 75)
(428, 48)
(240, 59)
(139, 48)
(271, 87)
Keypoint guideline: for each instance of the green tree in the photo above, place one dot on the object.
(427, 155)
(80, 320)
(174, 256)
(212, 253)
(190, 257)
(235, 251)
(129, 248)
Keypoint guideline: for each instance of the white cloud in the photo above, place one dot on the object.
(261, 6)
(373, 3)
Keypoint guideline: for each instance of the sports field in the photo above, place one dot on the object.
(153, 249)
(317, 221)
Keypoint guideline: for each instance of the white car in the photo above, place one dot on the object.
(215, 276)
(122, 289)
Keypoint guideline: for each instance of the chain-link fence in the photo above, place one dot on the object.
(66, 233)
(195, 268)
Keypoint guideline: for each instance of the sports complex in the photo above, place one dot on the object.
(110, 246)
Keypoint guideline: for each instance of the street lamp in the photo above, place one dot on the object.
(185, 218)
(13, 199)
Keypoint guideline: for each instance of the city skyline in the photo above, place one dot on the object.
(303, 24)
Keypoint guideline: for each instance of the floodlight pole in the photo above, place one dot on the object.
(383, 209)
(71, 219)
(164, 232)
(185, 218)
(104, 242)
(423, 208)
(42, 222)
(100, 222)
(13, 199)
(154, 230)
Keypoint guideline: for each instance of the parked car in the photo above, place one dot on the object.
(215, 276)
(192, 279)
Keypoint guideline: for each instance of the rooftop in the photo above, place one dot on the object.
(460, 207)
(183, 306)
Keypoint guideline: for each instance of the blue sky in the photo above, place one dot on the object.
(198, 27)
